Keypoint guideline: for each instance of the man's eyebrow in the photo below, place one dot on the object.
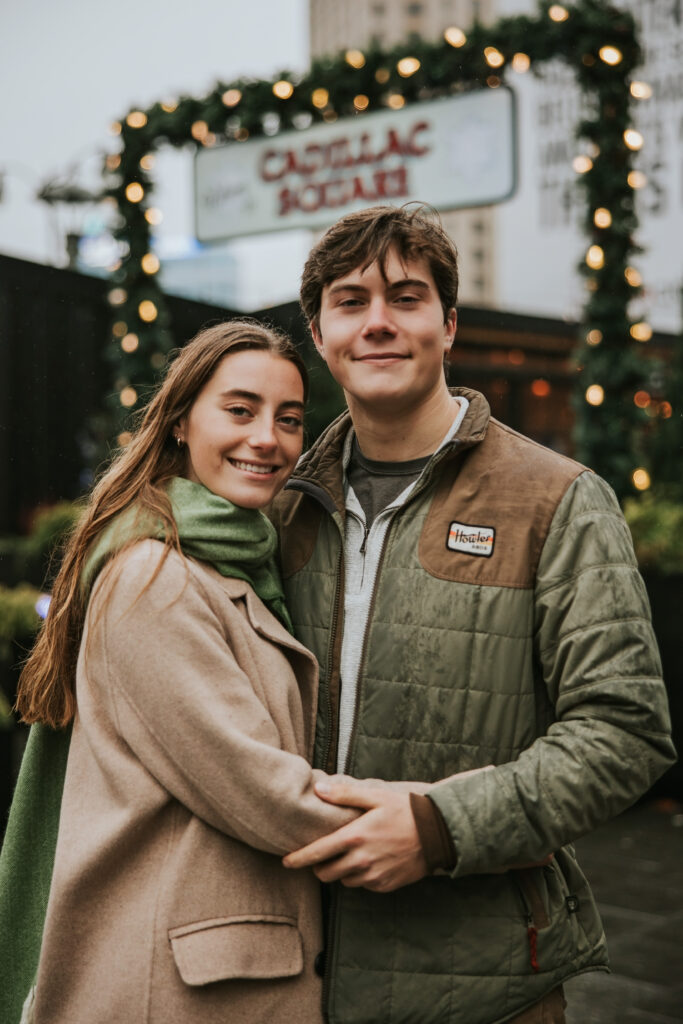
(404, 282)
(252, 396)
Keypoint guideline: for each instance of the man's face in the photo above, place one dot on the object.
(383, 340)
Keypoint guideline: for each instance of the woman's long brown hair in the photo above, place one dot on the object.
(137, 475)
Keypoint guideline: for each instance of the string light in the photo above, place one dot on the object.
(319, 98)
(455, 36)
(637, 179)
(134, 192)
(641, 90)
(665, 410)
(115, 128)
(594, 336)
(641, 479)
(283, 89)
(136, 119)
(119, 328)
(128, 396)
(129, 343)
(558, 13)
(199, 130)
(147, 162)
(407, 66)
(154, 216)
(113, 161)
(150, 263)
(602, 218)
(633, 138)
(382, 75)
(595, 394)
(610, 55)
(520, 63)
(640, 331)
(581, 164)
(516, 357)
(124, 438)
(396, 101)
(169, 106)
(117, 296)
(493, 81)
(642, 399)
(361, 102)
(147, 311)
(494, 58)
(633, 277)
(595, 257)
(540, 388)
(231, 97)
(356, 58)
(242, 134)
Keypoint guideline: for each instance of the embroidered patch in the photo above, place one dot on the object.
(472, 540)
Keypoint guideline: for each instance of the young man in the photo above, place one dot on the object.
(475, 607)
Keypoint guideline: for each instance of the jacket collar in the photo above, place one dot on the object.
(320, 471)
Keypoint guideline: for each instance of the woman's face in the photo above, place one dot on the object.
(244, 432)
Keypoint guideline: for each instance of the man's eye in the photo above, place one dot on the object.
(404, 299)
(350, 302)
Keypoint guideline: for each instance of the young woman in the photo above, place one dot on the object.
(167, 646)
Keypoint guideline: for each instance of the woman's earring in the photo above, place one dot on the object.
(179, 440)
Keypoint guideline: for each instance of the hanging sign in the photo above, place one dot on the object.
(450, 153)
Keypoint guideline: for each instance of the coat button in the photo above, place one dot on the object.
(319, 964)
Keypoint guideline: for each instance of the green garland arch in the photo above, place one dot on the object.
(609, 354)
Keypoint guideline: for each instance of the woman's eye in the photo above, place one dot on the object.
(240, 411)
(293, 422)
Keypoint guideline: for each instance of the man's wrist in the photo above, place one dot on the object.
(437, 843)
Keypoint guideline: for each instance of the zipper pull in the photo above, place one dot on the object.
(365, 540)
(532, 933)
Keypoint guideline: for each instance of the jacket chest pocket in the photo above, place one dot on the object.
(264, 946)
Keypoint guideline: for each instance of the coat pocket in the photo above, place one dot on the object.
(254, 946)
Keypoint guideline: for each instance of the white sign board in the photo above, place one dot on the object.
(451, 153)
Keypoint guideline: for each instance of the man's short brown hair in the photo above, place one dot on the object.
(414, 231)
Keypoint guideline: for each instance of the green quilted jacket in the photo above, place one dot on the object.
(509, 627)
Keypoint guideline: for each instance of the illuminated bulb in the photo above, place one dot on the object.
(113, 161)
(199, 130)
(595, 257)
(641, 90)
(641, 399)
(136, 119)
(521, 63)
(153, 215)
(610, 55)
(128, 397)
(633, 277)
(168, 106)
(242, 134)
(117, 296)
(641, 331)
(641, 479)
(119, 328)
(147, 162)
(355, 58)
(115, 128)
(283, 89)
(455, 36)
(594, 336)
(493, 81)
(396, 101)
(540, 388)
(665, 410)
(516, 357)
(633, 138)
(407, 66)
(595, 395)
(148, 311)
(558, 13)
(134, 192)
(361, 102)
(602, 218)
(382, 75)
(319, 98)
(150, 263)
(581, 164)
(494, 58)
(124, 438)
(130, 343)
(637, 179)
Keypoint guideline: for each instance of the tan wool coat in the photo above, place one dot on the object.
(188, 778)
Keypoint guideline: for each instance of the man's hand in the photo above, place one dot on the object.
(380, 850)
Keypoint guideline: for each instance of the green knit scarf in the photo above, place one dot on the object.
(239, 543)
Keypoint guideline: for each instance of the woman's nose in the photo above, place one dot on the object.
(263, 433)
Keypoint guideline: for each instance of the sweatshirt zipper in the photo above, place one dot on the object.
(328, 664)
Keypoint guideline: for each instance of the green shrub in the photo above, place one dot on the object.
(27, 558)
(19, 619)
(656, 525)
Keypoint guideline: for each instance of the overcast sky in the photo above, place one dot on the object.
(68, 68)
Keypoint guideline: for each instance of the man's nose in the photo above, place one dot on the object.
(378, 319)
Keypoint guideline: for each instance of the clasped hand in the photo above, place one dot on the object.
(380, 850)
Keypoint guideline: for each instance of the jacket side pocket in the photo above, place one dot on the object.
(255, 946)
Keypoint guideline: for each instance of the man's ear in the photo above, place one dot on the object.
(451, 326)
(317, 337)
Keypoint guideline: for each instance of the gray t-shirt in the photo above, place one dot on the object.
(377, 484)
